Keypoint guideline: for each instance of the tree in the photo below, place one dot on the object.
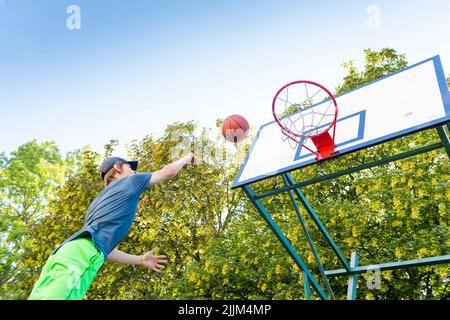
(377, 65)
(180, 217)
(29, 179)
(65, 216)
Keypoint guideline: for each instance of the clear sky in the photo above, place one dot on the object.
(136, 66)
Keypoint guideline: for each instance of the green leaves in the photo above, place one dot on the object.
(377, 65)
(29, 180)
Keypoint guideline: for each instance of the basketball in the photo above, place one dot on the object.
(235, 128)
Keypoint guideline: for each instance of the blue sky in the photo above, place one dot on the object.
(136, 66)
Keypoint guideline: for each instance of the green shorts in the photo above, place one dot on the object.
(68, 273)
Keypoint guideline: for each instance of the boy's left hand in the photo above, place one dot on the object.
(153, 262)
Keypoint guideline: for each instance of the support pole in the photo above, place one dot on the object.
(318, 223)
(444, 139)
(393, 265)
(306, 286)
(284, 241)
(353, 279)
(310, 241)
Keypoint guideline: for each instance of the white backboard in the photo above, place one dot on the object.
(410, 100)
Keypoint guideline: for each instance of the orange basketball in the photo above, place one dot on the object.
(235, 128)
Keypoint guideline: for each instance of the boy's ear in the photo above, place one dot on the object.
(118, 167)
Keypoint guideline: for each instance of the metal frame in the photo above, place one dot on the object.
(350, 269)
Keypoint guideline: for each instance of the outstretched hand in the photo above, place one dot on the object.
(153, 262)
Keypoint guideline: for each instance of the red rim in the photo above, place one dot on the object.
(286, 131)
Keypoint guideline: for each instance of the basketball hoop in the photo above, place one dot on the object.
(307, 110)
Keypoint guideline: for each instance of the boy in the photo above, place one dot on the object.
(71, 267)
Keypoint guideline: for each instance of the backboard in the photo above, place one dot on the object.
(412, 99)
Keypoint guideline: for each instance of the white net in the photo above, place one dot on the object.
(304, 109)
(288, 124)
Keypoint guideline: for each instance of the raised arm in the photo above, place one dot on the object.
(171, 170)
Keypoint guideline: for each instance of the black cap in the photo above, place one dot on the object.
(109, 163)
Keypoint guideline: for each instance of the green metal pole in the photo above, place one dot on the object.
(445, 140)
(352, 279)
(306, 286)
(338, 174)
(284, 241)
(309, 239)
(318, 223)
(393, 265)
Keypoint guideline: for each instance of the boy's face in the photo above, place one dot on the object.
(125, 171)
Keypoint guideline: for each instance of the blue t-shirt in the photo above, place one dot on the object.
(111, 213)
